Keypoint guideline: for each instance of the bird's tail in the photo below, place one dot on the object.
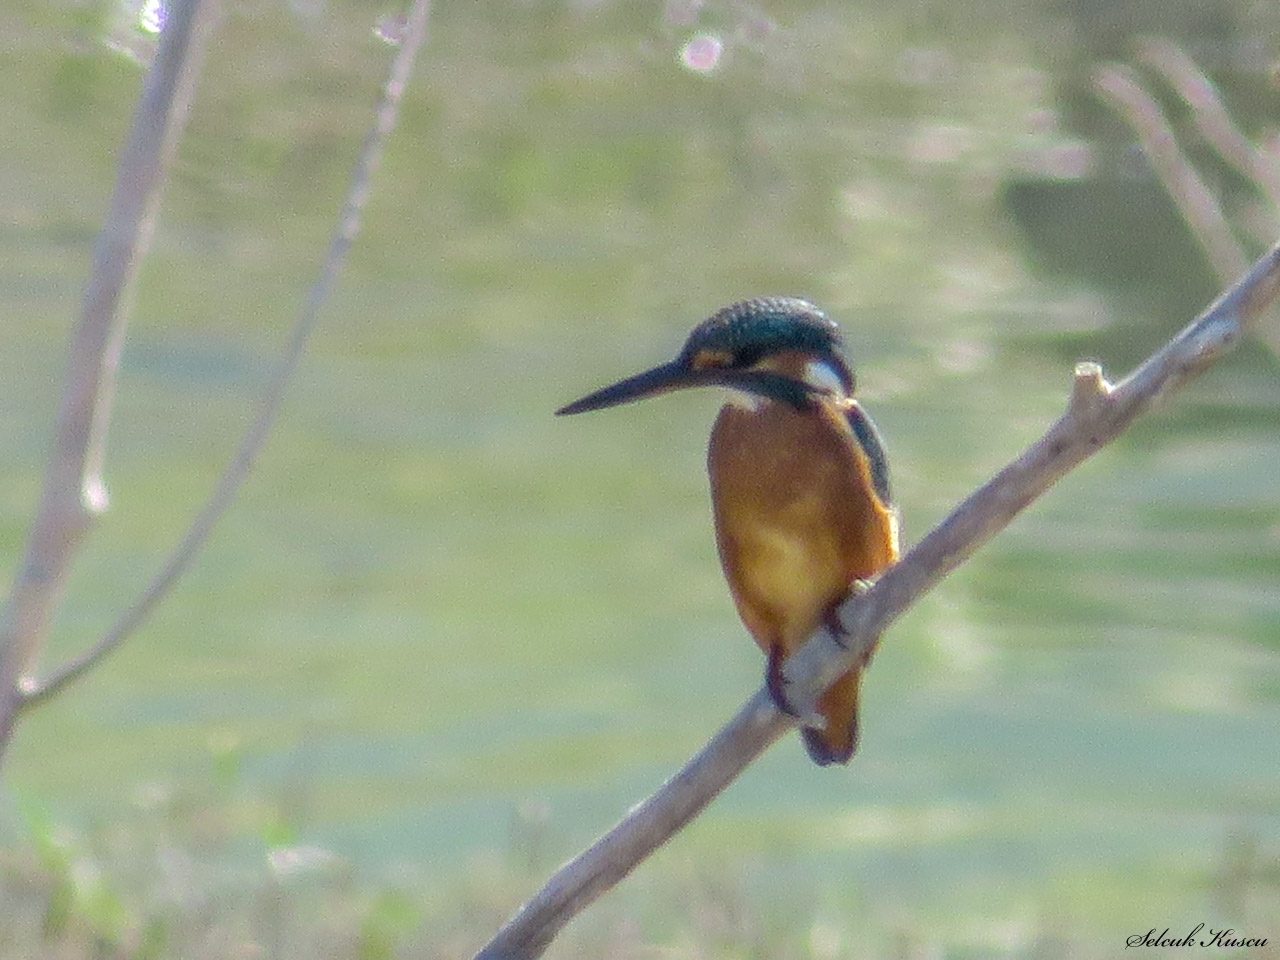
(837, 742)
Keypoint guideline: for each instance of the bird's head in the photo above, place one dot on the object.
(778, 348)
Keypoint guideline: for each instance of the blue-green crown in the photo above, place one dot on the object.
(750, 330)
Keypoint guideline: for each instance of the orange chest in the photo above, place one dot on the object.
(797, 515)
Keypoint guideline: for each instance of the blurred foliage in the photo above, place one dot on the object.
(171, 878)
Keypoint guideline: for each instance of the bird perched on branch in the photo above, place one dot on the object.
(799, 483)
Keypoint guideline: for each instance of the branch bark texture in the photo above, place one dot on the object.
(1096, 413)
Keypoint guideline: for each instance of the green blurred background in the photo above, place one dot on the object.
(449, 639)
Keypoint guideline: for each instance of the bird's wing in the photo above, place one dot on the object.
(868, 437)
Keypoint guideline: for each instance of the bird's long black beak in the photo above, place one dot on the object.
(676, 376)
(669, 376)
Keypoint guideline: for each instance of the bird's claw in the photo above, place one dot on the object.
(835, 626)
(776, 684)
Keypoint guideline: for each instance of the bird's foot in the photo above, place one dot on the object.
(776, 684)
(835, 626)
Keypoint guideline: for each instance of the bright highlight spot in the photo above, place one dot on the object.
(702, 53)
(287, 862)
(152, 16)
(390, 28)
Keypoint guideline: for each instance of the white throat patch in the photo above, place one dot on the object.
(818, 374)
(746, 400)
(822, 376)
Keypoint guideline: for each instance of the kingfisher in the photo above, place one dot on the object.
(799, 484)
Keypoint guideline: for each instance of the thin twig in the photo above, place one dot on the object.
(33, 691)
(1200, 209)
(1193, 197)
(1211, 117)
(1096, 413)
(73, 493)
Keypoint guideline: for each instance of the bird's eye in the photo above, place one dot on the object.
(706, 359)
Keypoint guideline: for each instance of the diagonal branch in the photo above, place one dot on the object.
(73, 493)
(1200, 209)
(1096, 413)
(1210, 115)
(1195, 200)
(34, 692)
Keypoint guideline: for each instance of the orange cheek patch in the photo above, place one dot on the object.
(711, 358)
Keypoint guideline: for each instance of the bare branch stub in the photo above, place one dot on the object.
(1097, 412)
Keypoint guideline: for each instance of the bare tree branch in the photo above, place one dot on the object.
(73, 492)
(1096, 413)
(1122, 88)
(34, 692)
(1200, 209)
(1211, 117)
